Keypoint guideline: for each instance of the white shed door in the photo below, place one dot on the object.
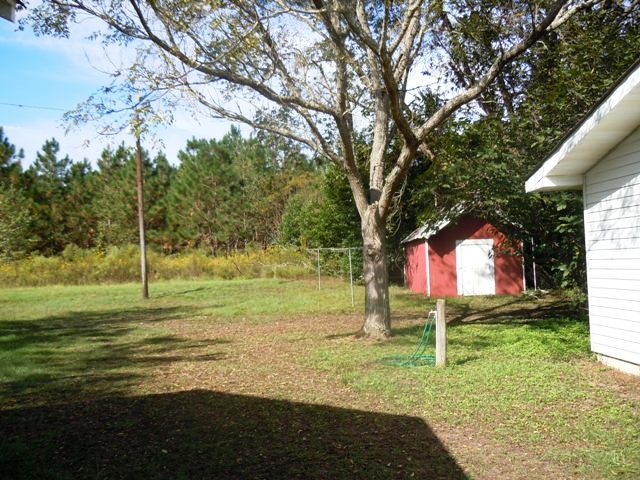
(475, 267)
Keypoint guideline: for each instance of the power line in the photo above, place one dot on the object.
(38, 107)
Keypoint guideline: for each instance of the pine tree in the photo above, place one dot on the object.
(80, 221)
(10, 161)
(16, 238)
(206, 204)
(47, 183)
(115, 199)
(158, 178)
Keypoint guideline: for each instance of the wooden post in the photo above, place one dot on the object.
(140, 182)
(441, 334)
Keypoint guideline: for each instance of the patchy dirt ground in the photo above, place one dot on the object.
(264, 361)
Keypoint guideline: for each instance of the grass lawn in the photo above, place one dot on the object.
(264, 379)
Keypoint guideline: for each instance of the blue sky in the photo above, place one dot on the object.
(59, 74)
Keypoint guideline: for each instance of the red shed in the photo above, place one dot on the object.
(465, 257)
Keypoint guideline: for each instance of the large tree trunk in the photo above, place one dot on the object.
(377, 316)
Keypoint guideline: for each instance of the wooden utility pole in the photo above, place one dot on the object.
(140, 181)
(441, 334)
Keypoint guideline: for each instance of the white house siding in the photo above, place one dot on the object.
(612, 231)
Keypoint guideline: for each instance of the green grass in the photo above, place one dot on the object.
(523, 382)
(93, 358)
(49, 336)
(221, 298)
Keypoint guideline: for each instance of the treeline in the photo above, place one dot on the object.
(225, 195)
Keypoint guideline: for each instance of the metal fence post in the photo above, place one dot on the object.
(441, 334)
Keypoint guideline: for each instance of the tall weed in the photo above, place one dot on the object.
(76, 266)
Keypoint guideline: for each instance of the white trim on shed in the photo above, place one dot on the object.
(427, 267)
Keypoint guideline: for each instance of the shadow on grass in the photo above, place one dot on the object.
(90, 354)
(180, 293)
(204, 434)
(516, 310)
(499, 309)
(548, 325)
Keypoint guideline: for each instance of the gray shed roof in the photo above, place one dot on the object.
(428, 230)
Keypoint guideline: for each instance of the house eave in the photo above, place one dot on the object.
(554, 183)
(8, 10)
(614, 118)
